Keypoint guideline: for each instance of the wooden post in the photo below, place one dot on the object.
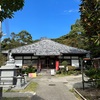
(82, 70)
(1, 93)
(57, 65)
(0, 30)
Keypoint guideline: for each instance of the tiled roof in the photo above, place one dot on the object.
(48, 47)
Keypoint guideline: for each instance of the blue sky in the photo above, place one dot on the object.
(44, 18)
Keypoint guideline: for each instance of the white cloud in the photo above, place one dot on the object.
(73, 11)
(70, 11)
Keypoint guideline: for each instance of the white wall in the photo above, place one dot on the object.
(75, 63)
(18, 63)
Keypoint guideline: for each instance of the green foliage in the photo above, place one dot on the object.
(90, 18)
(63, 70)
(30, 69)
(78, 37)
(71, 72)
(94, 75)
(90, 73)
(2, 59)
(58, 72)
(75, 37)
(71, 68)
(76, 29)
(24, 37)
(16, 40)
(9, 7)
(31, 87)
(64, 63)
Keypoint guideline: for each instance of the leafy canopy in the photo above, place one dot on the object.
(17, 40)
(9, 7)
(90, 18)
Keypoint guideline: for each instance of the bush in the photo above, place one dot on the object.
(64, 63)
(71, 68)
(71, 72)
(94, 74)
(30, 69)
(58, 72)
(2, 59)
(63, 70)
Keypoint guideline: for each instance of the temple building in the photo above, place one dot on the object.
(47, 54)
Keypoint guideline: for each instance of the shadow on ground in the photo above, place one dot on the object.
(89, 92)
(80, 85)
(36, 97)
(77, 85)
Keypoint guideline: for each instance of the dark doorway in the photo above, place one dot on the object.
(47, 63)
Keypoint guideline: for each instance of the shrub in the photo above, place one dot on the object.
(71, 72)
(63, 70)
(58, 72)
(30, 69)
(64, 63)
(2, 59)
(94, 74)
(71, 68)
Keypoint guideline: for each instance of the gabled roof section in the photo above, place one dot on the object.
(48, 47)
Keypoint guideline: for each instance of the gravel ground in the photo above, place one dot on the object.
(90, 93)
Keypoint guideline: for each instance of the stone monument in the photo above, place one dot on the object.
(9, 71)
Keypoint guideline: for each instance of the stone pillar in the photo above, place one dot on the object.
(19, 81)
(25, 77)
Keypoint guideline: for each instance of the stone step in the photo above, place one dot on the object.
(45, 72)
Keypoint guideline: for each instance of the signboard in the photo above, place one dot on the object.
(61, 66)
(52, 72)
(32, 75)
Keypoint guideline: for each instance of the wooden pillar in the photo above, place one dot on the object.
(57, 65)
(39, 64)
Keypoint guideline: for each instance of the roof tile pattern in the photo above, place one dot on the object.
(47, 47)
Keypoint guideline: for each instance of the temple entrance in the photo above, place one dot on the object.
(48, 63)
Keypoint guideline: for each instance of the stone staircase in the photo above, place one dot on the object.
(45, 72)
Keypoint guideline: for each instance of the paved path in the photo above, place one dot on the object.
(53, 89)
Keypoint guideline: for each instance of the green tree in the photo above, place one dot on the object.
(6, 43)
(17, 40)
(90, 18)
(75, 37)
(9, 7)
(24, 37)
(76, 29)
